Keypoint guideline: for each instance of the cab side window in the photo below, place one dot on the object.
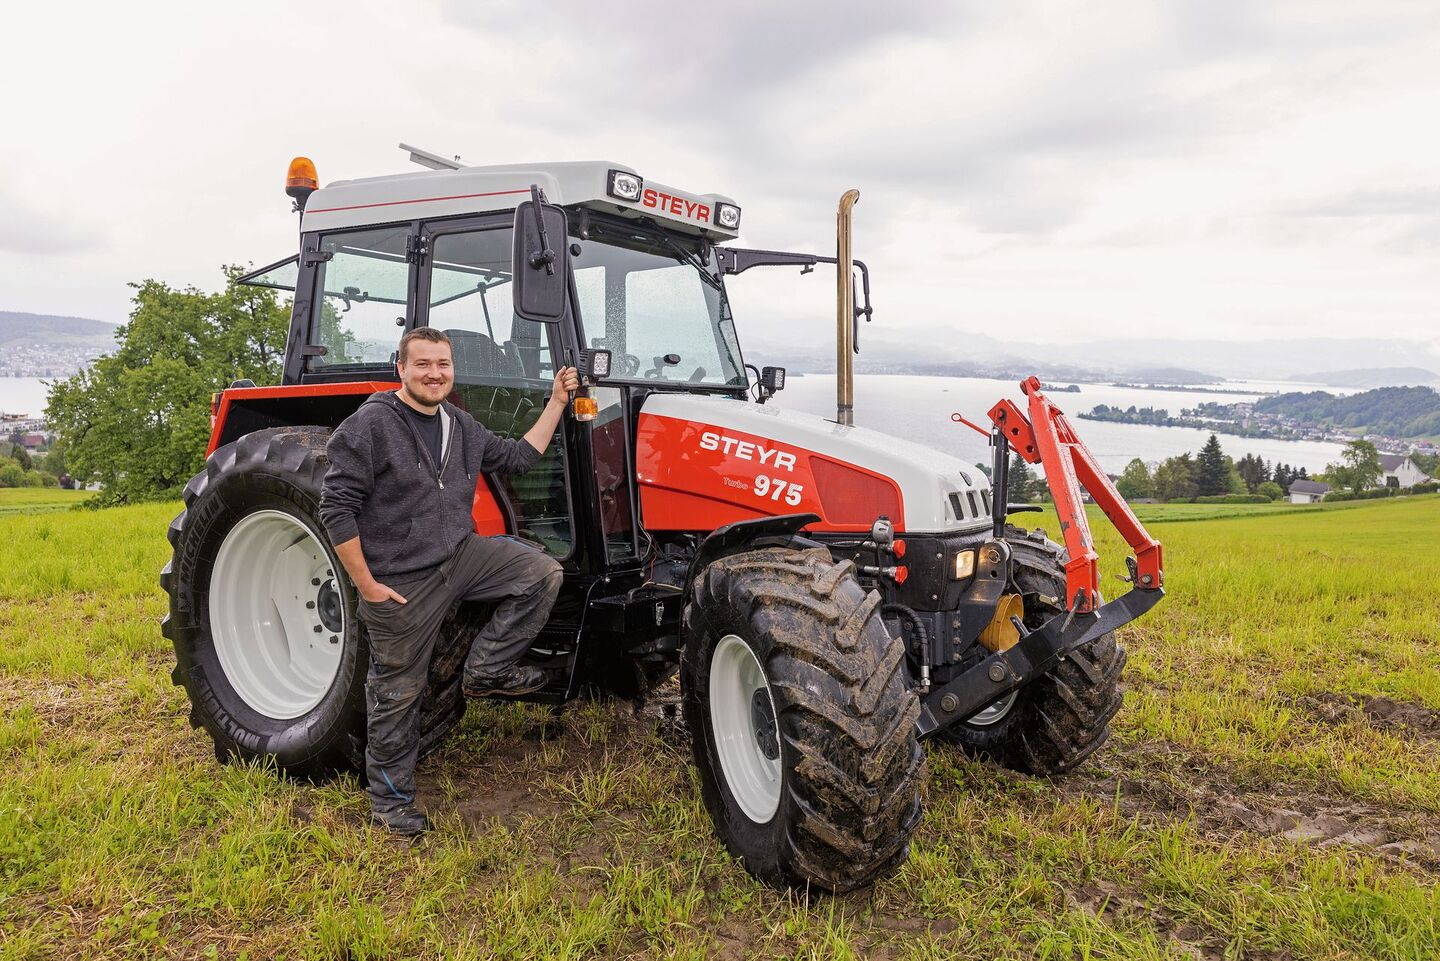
(363, 287)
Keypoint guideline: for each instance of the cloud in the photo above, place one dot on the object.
(25, 230)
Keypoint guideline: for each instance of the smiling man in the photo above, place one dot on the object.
(397, 504)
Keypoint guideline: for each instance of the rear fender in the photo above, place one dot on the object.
(243, 410)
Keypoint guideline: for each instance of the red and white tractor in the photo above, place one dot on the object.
(831, 595)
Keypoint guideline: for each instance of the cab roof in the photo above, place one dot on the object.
(428, 194)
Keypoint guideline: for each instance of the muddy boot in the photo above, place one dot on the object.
(405, 821)
(511, 681)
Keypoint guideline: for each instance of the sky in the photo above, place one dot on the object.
(1045, 173)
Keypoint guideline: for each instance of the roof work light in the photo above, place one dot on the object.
(301, 180)
(727, 216)
(625, 185)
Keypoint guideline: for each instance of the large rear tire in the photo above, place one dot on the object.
(268, 644)
(1055, 722)
(802, 719)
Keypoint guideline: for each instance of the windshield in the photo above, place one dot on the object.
(652, 300)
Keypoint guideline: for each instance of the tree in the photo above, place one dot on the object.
(22, 457)
(138, 420)
(1175, 478)
(1135, 481)
(1253, 471)
(1022, 481)
(1271, 490)
(1359, 467)
(1212, 476)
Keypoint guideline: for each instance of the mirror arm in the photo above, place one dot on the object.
(546, 254)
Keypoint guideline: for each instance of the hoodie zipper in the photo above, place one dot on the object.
(424, 451)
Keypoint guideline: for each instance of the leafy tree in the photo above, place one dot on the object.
(1359, 467)
(138, 420)
(1212, 476)
(22, 457)
(1175, 478)
(1135, 481)
(1271, 490)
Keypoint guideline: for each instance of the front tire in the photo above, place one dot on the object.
(802, 720)
(1055, 722)
(268, 642)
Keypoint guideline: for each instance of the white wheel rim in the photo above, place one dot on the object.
(739, 699)
(276, 617)
(996, 712)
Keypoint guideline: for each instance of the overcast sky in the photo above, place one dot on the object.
(1046, 171)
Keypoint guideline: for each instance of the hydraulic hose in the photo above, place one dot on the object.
(921, 639)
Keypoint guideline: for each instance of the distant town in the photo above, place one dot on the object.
(46, 360)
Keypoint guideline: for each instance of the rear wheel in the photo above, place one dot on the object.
(268, 644)
(1055, 722)
(802, 721)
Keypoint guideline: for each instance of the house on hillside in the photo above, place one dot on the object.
(1307, 491)
(1401, 471)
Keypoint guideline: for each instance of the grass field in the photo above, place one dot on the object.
(1272, 790)
(32, 500)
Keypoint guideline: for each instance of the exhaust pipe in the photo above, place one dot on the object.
(844, 313)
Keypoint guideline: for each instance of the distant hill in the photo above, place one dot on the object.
(1372, 377)
(1409, 412)
(18, 328)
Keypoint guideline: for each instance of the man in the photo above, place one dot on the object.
(397, 504)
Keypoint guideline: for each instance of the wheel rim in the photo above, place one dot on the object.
(742, 717)
(996, 712)
(276, 614)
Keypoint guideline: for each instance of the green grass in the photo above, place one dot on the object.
(583, 836)
(30, 500)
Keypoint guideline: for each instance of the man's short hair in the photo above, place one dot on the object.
(421, 333)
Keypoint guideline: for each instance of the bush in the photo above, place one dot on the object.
(1271, 490)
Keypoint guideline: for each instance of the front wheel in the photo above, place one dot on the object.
(1055, 722)
(803, 722)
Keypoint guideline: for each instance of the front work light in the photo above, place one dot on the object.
(625, 185)
(594, 365)
(964, 564)
(727, 216)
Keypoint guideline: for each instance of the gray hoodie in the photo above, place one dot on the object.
(384, 487)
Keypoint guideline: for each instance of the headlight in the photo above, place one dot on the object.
(964, 565)
(625, 185)
(727, 216)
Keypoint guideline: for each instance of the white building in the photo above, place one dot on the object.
(1308, 491)
(1401, 471)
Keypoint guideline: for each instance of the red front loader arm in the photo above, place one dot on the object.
(1047, 438)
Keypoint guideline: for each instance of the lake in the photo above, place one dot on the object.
(919, 408)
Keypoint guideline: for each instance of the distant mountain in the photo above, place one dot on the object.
(1372, 377)
(18, 328)
(1405, 412)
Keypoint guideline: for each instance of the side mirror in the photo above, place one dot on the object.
(541, 262)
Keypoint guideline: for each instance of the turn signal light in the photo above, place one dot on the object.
(301, 180)
(585, 408)
(898, 548)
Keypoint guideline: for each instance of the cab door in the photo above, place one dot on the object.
(504, 366)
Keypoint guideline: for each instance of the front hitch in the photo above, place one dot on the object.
(1035, 654)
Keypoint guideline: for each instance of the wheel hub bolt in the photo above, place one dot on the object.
(315, 581)
(310, 605)
(317, 628)
(334, 639)
(997, 673)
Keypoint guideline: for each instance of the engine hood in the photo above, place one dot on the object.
(703, 461)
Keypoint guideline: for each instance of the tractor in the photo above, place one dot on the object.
(829, 595)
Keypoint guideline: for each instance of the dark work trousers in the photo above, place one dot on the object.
(522, 578)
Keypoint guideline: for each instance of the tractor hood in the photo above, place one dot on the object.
(705, 461)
